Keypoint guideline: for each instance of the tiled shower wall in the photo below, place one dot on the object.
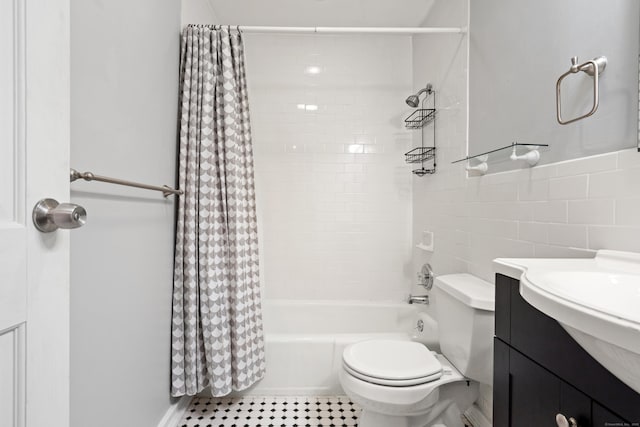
(334, 194)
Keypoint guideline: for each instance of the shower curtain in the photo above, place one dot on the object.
(217, 337)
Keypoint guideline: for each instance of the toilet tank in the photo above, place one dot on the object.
(465, 311)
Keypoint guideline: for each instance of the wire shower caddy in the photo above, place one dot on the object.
(419, 119)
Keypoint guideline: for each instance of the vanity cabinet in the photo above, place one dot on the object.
(540, 371)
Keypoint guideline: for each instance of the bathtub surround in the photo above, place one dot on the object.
(124, 81)
(217, 337)
(333, 190)
(444, 60)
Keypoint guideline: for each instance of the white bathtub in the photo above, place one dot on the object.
(305, 340)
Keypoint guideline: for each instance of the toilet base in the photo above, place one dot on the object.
(448, 415)
(438, 403)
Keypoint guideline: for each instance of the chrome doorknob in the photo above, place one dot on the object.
(49, 215)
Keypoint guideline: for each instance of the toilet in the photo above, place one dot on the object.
(401, 383)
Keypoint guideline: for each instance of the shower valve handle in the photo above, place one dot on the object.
(425, 276)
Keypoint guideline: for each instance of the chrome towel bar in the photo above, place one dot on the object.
(90, 176)
(594, 68)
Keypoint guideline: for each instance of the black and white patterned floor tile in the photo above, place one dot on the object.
(265, 411)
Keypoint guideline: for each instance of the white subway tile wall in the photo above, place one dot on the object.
(334, 193)
(579, 215)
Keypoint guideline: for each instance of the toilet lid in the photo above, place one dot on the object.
(392, 383)
(392, 360)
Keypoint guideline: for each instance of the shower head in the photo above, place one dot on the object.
(414, 100)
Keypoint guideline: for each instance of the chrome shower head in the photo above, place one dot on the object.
(414, 100)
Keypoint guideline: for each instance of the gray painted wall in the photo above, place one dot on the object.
(519, 48)
(198, 12)
(124, 88)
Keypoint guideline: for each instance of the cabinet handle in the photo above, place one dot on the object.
(562, 421)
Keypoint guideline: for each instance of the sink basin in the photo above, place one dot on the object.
(597, 301)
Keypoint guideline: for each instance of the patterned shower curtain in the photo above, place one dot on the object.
(217, 337)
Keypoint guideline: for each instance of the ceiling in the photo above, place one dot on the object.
(323, 13)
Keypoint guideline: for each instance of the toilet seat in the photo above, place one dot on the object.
(392, 363)
(392, 383)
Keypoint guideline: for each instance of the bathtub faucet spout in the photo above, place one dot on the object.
(418, 299)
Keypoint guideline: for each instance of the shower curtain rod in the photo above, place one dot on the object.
(347, 30)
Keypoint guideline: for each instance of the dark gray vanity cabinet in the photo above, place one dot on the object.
(540, 371)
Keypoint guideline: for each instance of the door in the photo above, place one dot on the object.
(536, 396)
(34, 164)
(501, 383)
(535, 393)
(575, 404)
(602, 417)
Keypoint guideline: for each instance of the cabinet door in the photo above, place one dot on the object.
(500, 384)
(535, 393)
(576, 404)
(603, 417)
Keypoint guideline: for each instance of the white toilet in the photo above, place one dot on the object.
(403, 384)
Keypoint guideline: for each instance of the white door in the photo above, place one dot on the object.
(34, 164)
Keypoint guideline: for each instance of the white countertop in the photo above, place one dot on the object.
(515, 267)
(605, 260)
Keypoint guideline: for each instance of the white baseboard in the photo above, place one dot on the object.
(477, 418)
(175, 412)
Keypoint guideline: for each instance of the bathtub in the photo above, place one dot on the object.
(305, 340)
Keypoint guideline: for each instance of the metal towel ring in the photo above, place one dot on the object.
(593, 67)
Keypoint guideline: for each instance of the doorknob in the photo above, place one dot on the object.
(562, 421)
(49, 215)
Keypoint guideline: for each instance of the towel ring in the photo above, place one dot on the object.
(594, 68)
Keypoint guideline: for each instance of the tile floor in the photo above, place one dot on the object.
(267, 411)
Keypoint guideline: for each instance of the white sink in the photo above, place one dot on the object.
(597, 301)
